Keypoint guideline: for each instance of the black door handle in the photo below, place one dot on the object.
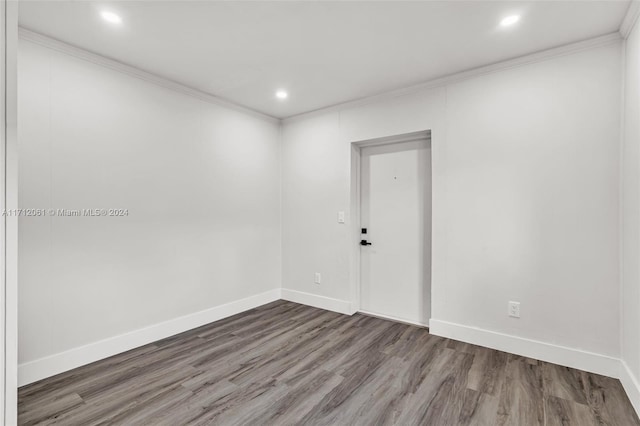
(365, 243)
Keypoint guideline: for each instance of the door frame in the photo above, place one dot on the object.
(9, 201)
(356, 157)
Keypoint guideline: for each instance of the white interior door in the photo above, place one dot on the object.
(395, 207)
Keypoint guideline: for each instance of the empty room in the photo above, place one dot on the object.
(320, 213)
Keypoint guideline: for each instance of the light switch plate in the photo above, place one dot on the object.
(340, 217)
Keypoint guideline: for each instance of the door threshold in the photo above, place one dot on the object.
(392, 318)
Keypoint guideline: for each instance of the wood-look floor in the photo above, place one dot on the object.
(289, 364)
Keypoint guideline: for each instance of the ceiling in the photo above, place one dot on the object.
(323, 53)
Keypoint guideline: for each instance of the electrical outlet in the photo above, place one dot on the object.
(514, 309)
(318, 278)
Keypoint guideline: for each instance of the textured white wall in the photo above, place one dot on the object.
(525, 197)
(201, 183)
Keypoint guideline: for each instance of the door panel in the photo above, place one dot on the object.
(395, 209)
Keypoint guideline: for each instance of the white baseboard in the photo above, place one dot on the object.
(38, 369)
(561, 355)
(631, 385)
(322, 302)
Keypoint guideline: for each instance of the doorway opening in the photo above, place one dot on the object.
(391, 201)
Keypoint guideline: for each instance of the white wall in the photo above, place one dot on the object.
(631, 220)
(201, 183)
(525, 199)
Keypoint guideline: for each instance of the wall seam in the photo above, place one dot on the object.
(281, 195)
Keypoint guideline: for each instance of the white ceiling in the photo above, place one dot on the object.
(322, 53)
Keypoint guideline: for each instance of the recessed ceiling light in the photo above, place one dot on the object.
(509, 20)
(281, 94)
(111, 17)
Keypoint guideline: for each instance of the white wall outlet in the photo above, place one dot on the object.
(318, 278)
(340, 217)
(514, 309)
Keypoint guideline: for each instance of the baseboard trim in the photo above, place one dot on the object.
(631, 385)
(561, 355)
(42, 368)
(322, 302)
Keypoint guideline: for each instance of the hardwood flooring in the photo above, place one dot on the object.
(289, 364)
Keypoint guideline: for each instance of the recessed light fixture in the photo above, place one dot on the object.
(282, 94)
(111, 17)
(509, 20)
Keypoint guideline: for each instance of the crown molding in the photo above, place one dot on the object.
(531, 58)
(115, 65)
(630, 19)
(568, 49)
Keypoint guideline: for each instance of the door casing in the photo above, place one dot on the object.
(356, 155)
